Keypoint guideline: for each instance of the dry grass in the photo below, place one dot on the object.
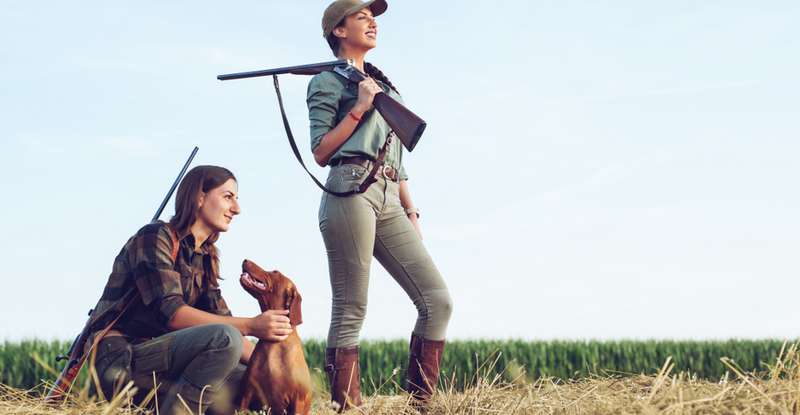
(774, 392)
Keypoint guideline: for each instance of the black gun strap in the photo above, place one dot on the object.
(363, 186)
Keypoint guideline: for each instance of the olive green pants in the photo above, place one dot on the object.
(373, 223)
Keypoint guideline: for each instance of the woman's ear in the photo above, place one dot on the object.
(340, 32)
(201, 197)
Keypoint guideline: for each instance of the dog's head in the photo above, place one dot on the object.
(273, 290)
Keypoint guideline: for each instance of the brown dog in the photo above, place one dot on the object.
(277, 376)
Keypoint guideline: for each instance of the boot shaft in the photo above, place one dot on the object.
(424, 362)
(344, 376)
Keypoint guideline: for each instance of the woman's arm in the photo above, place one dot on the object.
(337, 136)
(272, 325)
(269, 325)
(405, 200)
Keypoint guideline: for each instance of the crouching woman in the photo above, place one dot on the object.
(174, 328)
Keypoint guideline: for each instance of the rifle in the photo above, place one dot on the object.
(174, 185)
(407, 125)
(76, 357)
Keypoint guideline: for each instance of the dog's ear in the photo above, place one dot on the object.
(295, 314)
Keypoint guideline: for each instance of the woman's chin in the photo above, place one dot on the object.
(222, 227)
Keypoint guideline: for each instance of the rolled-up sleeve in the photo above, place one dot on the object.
(402, 173)
(324, 93)
(154, 273)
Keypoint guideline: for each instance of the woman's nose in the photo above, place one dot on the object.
(235, 208)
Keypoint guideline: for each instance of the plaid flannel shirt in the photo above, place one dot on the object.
(145, 267)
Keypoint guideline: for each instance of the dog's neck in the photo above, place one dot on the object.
(265, 307)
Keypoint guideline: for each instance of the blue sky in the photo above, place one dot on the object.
(589, 170)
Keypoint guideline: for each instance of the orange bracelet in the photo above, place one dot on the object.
(353, 116)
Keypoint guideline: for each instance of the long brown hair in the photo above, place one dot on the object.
(201, 179)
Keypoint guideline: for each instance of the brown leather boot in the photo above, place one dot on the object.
(344, 375)
(423, 368)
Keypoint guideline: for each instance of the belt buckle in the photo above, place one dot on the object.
(385, 169)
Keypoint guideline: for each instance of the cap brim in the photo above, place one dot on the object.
(378, 7)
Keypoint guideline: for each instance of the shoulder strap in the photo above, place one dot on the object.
(363, 186)
(173, 236)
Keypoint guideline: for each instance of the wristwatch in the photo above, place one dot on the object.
(413, 210)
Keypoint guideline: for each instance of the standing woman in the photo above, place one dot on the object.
(348, 134)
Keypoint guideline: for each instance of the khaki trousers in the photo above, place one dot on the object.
(373, 223)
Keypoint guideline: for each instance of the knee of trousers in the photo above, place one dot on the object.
(226, 340)
(346, 322)
(437, 306)
(349, 313)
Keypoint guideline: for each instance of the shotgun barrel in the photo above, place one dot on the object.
(310, 69)
(174, 185)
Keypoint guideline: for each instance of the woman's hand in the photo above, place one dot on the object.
(272, 325)
(415, 221)
(333, 139)
(367, 89)
(408, 206)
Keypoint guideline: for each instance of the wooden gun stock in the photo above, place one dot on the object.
(75, 359)
(407, 125)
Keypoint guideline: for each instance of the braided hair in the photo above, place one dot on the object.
(371, 70)
(376, 73)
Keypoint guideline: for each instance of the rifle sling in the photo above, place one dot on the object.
(367, 181)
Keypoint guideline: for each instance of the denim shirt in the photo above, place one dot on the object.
(330, 98)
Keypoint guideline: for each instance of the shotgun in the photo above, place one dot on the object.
(406, 125)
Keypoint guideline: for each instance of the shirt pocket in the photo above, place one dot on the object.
(215, 303)
(187, 274)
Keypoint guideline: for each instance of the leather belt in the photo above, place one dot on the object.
(388, 171)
